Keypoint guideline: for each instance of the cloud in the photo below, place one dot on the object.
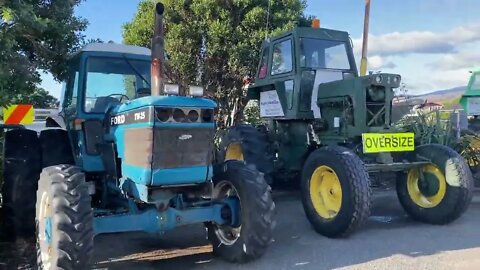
(461, 60)
(377, 62)
(426, 42)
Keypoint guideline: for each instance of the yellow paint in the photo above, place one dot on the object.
(388, 142)
(234, 152)
(363, 67)
(326, 192)
(27, 118)
(414, 191)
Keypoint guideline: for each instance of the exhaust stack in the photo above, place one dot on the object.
(158, 53)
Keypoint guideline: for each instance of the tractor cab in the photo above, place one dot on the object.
(306, 72)
(295, 63)
(101, 74)
(108, 110)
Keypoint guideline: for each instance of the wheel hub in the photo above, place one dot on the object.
(326, 192)
(45, 231)
(426, 185)
(227, 233)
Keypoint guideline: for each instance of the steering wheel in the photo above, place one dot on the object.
(119, 97)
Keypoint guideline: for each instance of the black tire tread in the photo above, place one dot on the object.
(22, 166)
(257, 205)
(255, 146)
(359, 186)
(461, 198)
(72, 218)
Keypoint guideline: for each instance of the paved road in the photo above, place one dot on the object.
(389, 241)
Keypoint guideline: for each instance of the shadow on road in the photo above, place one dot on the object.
(389, 232)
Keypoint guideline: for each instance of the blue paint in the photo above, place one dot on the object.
(165, 101)
(48, 230)
(138, 191)
(153, 221)
(179, 176)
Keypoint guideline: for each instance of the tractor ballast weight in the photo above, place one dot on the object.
(331, 128)
(122, 161)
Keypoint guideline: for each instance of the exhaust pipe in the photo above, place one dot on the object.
(158, 53)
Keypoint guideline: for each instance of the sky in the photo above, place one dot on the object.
(432, 43)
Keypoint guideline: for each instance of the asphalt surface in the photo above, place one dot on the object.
(390, 240)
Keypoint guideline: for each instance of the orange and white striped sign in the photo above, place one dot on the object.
(18, 114)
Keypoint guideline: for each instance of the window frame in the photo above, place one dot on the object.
(85, 75)
(292, 55)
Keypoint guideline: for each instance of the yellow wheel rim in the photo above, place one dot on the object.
(234, 152)
(326, 192)
(426, 185)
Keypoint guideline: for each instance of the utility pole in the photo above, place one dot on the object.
(363, 63)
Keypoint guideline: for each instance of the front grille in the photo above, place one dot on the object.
(182, 147)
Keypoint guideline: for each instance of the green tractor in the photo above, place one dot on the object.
(470, 101)
(330, 129)
(127, 153)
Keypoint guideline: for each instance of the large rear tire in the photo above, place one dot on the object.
(64, 219)
(248, 240)
(439, 192)
(22, 166)
(250, 144)
(336, 193)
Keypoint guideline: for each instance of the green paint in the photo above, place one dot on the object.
(295, 64)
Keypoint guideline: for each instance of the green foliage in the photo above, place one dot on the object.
(451, 103)
(252, 113)
(35, 35)
(215, 43)
(39, 98)
(433, 127)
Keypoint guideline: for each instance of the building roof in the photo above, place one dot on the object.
(116, 48)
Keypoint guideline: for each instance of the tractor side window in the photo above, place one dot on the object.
(112, 81)
(262, 70)
(282, 57)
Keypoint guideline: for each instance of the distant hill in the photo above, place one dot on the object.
(443, 96)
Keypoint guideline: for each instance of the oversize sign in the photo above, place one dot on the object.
(18, 114)
(388, 142)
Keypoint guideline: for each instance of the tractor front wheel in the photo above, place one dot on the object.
(248, 238)
(336, 194)
(64, 219)
(438, 192)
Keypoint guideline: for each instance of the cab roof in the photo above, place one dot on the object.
(311, 32)
(114, 48)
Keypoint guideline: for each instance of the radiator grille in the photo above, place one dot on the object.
(178, 147)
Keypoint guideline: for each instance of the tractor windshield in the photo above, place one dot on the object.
(323, 54)
(114, 80)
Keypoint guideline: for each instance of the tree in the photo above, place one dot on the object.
(215, 43)
(39, 98)
(35, 35)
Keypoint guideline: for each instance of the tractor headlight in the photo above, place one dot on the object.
(193, 116)
(378, 79)
(163, 114)
(172, 89)
(179, 115)
(396, 79)
(196, 91)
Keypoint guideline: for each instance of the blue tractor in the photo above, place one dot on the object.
(127, 153)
